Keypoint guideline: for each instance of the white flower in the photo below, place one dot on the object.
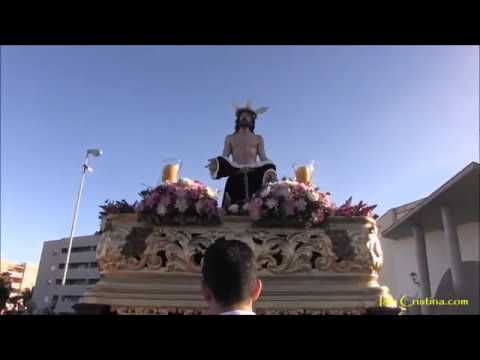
(198, 206)
(265, 192)
(245, 207)
(284, 191)
(161, 209)
(186, 181)
(271, 203)
(181, 205)
(211, 193)
(233, 208)
(301, 204)
(312, 196)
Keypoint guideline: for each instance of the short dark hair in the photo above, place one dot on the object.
(229, 271)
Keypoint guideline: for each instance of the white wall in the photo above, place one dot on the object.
(437, 257)
(400, 258)
(469, 237)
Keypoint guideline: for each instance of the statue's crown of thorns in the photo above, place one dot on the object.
(248, 107)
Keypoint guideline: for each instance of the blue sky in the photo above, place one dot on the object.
(386, 125)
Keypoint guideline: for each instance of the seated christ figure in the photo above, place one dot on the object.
(244, 161)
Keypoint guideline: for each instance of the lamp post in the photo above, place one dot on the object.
(95, 153)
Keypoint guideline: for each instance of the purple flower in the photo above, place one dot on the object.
(165, 200)
(258, 202)
(151, 199)
(194, 194)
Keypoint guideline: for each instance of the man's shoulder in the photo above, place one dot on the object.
(259, 137)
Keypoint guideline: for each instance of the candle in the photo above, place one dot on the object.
(303, 174)
(170, 173)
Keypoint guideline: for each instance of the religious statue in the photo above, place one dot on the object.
(246, 174)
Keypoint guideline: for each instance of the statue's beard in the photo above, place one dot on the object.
(244, 123)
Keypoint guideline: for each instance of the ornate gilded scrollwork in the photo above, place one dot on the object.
(131, 310)
(278, 251)
(293, 252)
(109, 249)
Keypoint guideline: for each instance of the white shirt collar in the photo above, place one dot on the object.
(238, 312)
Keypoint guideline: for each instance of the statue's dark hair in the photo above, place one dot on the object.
(237, 120)
(229, 271)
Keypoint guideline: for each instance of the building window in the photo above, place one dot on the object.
(70, 298)
(78, 265)
(72, 281)
(92, 281)
(55, 252)
(58, 282)
(94, 264)
(80, 249)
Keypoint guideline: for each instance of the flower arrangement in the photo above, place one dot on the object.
(236, 209)
(180, 203)
(117, 207)
(361, 209)
(291, 203)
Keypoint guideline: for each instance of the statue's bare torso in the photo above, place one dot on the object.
(244, 147)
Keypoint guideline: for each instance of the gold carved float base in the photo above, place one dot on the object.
(156, 270)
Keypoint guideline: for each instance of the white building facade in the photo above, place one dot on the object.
(437, 240)
(23, 275)
(50, 295)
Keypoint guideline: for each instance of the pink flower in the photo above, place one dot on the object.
(170, 189)
(289, 207)
(258, 202)
(152, 199)
(211, 206)
(303, 187)
(194, 194)
(181, 193)
(318, 216)
(326, 201)
(165, 200)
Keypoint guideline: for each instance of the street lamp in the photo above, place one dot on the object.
(94, 153)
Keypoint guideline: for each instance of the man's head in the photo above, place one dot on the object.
(245, 118)
(230, 276)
